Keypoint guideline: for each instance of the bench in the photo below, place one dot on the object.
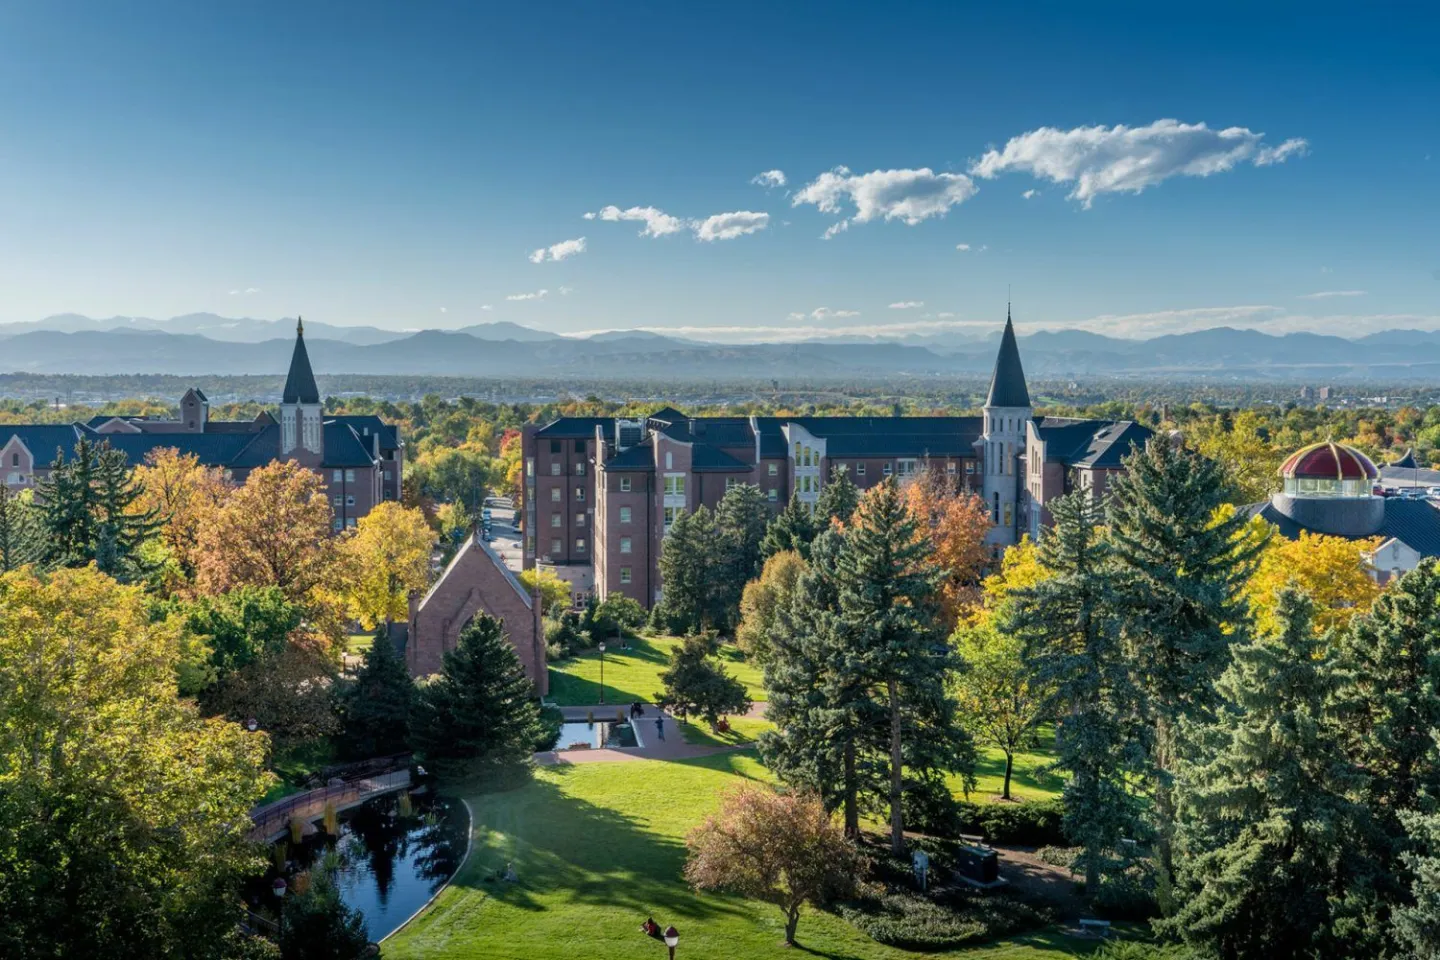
(1100, 927)
(973, 839)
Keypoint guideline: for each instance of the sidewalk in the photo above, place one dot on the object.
(671, 746)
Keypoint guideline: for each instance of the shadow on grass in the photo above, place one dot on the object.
(630, 675)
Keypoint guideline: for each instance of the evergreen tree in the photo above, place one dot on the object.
(1416, 924)
(317, 925)
(1179, 578)
(692, 574)
(89, 512)
(1263, 846)
(1072, 638)
(838, 498)
(478, 716)
(792, 529)
(695, 683)
(887, 601)
(375, 707)
(740, 523)
(21, 531)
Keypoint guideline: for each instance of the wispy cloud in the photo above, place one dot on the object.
(1159, 322)
(907, 305)
(1121, 159)
(486, 306)
(910, 196)
(823, 313)
(770, 178)
(245, 292)
(444, 310)
(657, 222)
(1327, 294)
(728, 226)
(537, 295)
(1030, 194)
(559, 251)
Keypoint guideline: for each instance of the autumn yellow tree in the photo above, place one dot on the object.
(761, 599)
(272, 532)
(382, 561)
(1333, 571)
(554, 592)
(184, 495)
(956, 523)
(1020, 568)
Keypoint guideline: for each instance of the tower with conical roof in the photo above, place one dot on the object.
(302, 435)
(1007, 416)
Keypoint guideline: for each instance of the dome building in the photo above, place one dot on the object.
(1330, 488)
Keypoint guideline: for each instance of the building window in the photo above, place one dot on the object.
(774, 469)
(349, 476)
(579, 544)
(995, 514)
(580, 469)
(669, 460)
(624, 514)
(555, 520)
(672, 514)
(555, 469)
(389, 495)
(350, 501)
(772, 494)
(579, 519)
(624, 574)
(580, 494)
(1007, 514)
(950, 467)
(335, 477)
(624, 484)
(554, 494)
(675, 486)
(388, 476)
(625, 544)
(798, 450)
(339, 524)
(555, 448)
(555, 548)
(887, 469)
(579, 446)
(350, 523)
(969, 466)
(529, 466)
(907, 468)
(859, 469)
(337, 499)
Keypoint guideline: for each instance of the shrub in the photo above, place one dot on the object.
(617, 613)
(912, 922)
(1032, 824)
(931, 808)
(550, 720)
(1127, 894)
(1058, 856)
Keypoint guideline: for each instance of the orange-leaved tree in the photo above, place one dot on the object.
(956, 522)
(184, 495)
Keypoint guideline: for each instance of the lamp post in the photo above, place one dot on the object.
(672, 940)
(252, 724)
(602, 672)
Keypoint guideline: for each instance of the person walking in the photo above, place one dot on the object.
(660, 727)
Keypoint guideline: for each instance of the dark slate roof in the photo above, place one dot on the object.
(667, 415)
(1406, 461)
(300, 382)
(892, 436)
(262, 448)
(772, 439)
(389, 439)
(42, 440)
(1090, 443)
(639, 457)
(707, 459)
(1411, 475)
(212, 449)
(1412, 522)
(344, 447)
(1007, 384)
(724, 431)
(573, 428)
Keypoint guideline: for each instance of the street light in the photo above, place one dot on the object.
(672, 940)
(252, 724)
(602, 672)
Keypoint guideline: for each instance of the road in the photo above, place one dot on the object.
(507, 537)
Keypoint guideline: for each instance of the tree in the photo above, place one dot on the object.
(692, 571)
(273, 532)
(317, 925)
(956, 524)
(1416, 924)
(91, 514)
(1000, 701)
(22, 532)
(1266, 820)
(1180, 569)
(478, 715)
(838, 498)
(1249, 459)
(782, 848)
(740, 523)
(615, 614)
(289, 691)
(375, 707)
(123, 811)
(792, 529)
(886, 590)
(1067, 621)
(182, 495)
(462, 474)
(241, 626)
(695, 683)
(554, 592)
(762, 598)
(384, 560)
(1333, 571)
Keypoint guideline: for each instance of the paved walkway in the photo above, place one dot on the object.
(671, 746)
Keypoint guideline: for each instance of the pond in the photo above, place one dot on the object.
(390, 857)
(582, 735)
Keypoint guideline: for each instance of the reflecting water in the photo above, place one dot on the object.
(580, 735)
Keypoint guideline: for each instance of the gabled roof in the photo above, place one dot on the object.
(639, 457)
(43, 439)
(573, 428)
(1007, 383)
(667, 415)
(891, 436)
(1415, 523)
(389, 440)
(300, 382)
(1090, 443)
(344, 447)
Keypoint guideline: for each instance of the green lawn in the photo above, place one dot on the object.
(358, 643)
(1026, 782)
(598, 847)
(634, 674)
(742, 730)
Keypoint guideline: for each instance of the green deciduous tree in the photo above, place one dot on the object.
(762, 599)
(696, 683)
(22, 532)
(1001, 700)
(375, 707)
(478, 716)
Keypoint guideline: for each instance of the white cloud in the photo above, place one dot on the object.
(537, 295)
(823, 313)
(1030, 194)
(907, 305)
(1121, 159)
(1327, 294)
(1160, 322)
(728, 226)
(566, 291)
(835, 228)
(910, 196)
(559, 251)
(444, 310)
(966, 248)
(770, 178)
(657, 222)
(244, 293)
(486, 306)
(963, 247)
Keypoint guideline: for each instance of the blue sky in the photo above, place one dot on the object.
(400, 164)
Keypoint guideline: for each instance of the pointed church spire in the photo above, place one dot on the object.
(300, 383)
(1007, 385)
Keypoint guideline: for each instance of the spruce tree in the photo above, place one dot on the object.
(1416, 923)
(695, 683)
(1072, 639)
(692, 574)
(21, 531)
(1179, 577)
(792, 529)
(838, 498)
(88, 512)
(741, 519)
(1264, 840)
(375, 707)
(478, 716)
(887, 593)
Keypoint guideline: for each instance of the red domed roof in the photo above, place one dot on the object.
(1329, 461)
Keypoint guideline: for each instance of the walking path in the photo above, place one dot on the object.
(272, 820)
(670, 746)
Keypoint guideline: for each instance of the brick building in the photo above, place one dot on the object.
(600, 492)
(360, 458)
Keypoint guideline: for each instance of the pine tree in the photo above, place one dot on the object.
(89, 512)
(1263, 846)
(478, 716)
(1072, 638)
(1416, 924)
(838, 498)
(1179, 579)
(375, 707)
(691, 574)
(887, 600)
(792, 529)
(21, 531)
(740, 523)
(696, 683)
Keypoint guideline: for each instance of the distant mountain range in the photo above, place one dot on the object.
(204, 343)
